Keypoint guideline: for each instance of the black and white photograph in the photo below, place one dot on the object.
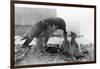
(49, 34)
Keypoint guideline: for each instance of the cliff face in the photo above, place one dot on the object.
(29, 16)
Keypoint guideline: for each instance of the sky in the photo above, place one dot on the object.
(80, 20)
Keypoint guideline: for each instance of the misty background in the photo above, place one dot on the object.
(79, 20)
